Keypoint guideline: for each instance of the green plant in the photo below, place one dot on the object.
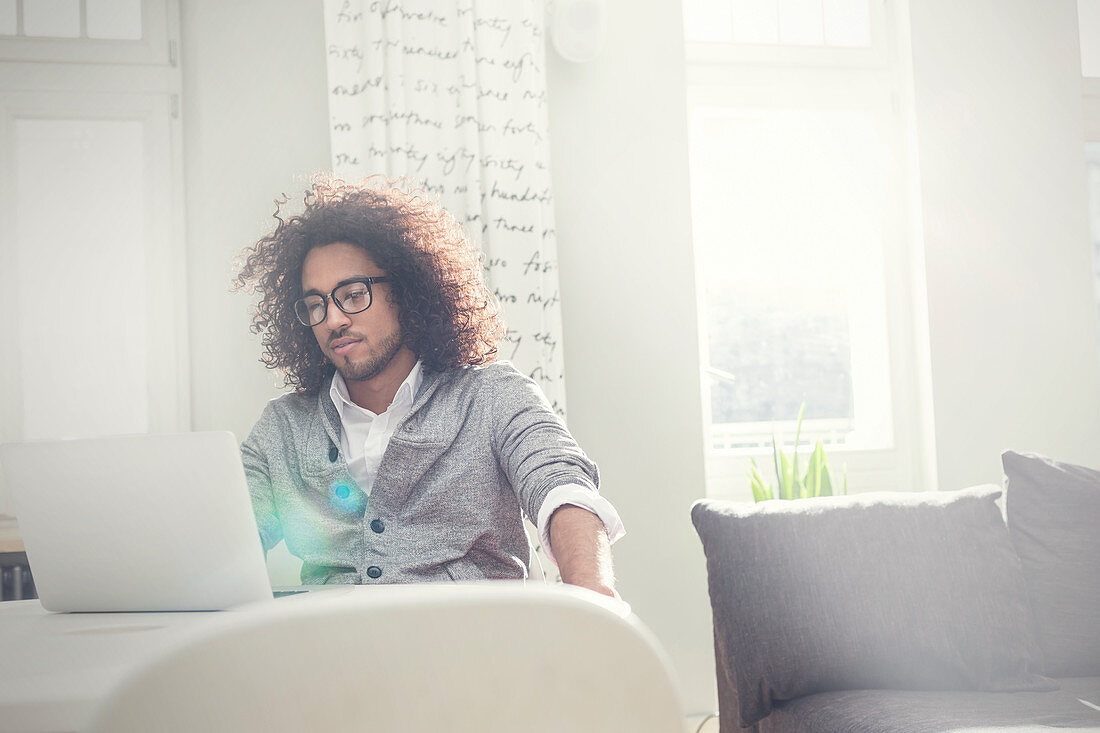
(817, 481)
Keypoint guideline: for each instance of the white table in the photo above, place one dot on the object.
(56, 667)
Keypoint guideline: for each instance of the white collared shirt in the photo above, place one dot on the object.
(365, 436)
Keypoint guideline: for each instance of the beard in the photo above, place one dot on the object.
(370, 367)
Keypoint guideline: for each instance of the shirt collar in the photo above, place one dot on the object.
(338, 391)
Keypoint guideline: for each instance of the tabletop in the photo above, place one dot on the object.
(56, 667)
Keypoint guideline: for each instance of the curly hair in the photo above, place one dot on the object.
(448, 316)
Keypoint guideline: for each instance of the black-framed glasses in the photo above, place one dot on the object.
(353, 296)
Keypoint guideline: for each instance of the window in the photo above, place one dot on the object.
(835, 23)
(92, 267)
(799, 173)
(88, 31)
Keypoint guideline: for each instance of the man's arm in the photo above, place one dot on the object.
(582, 549)
(542, 460)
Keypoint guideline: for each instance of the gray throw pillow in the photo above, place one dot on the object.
(1054, 521)
(872, 591)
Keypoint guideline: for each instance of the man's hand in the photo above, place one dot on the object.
(580, 545)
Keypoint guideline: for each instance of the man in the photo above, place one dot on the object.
(406, 452)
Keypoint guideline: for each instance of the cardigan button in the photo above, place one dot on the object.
(374, 571)
(333, 453)
(378, 526)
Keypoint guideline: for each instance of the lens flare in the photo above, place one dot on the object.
(346, 498)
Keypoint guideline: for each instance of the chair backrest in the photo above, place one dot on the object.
(456, 658)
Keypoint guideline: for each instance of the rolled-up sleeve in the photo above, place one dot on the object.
(578, 496)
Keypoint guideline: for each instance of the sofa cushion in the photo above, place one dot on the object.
(887, 590)
(1076, 706)
(1054, 522)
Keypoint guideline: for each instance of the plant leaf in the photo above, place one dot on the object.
(787, 485)
(814, 470)
(797, 434)
(826, 476)
(775, 459)
(761, 491)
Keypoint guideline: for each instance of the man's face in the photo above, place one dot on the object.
(361, 345)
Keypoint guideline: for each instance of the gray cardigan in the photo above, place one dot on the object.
(480, 445)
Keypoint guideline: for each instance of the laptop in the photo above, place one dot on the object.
(137, 523)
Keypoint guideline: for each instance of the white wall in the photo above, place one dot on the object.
(1010, 298)
(619, 157)
(255, 120)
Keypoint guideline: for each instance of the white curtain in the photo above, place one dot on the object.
(452, 96)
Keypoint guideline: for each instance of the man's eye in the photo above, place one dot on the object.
(356, 297)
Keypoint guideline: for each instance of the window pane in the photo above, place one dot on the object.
(708, 20)
(800, 22)
(789, 22)
(847, 23)
(755, 21)
(80, 280)
(116, 19)
(786, 215)
(51, 18)
(1088, 24)
(7, 18)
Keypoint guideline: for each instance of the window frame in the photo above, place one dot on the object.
(1090, 117)
(779, 54)
(156, 46)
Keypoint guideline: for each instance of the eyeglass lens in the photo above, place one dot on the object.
(351, 298)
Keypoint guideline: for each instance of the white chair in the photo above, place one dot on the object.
(432, 658)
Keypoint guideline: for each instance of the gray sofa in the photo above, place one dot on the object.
(973, 610)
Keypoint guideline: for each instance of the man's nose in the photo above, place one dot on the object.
(335, 318)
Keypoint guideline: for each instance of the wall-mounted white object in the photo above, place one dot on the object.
(577, 28)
